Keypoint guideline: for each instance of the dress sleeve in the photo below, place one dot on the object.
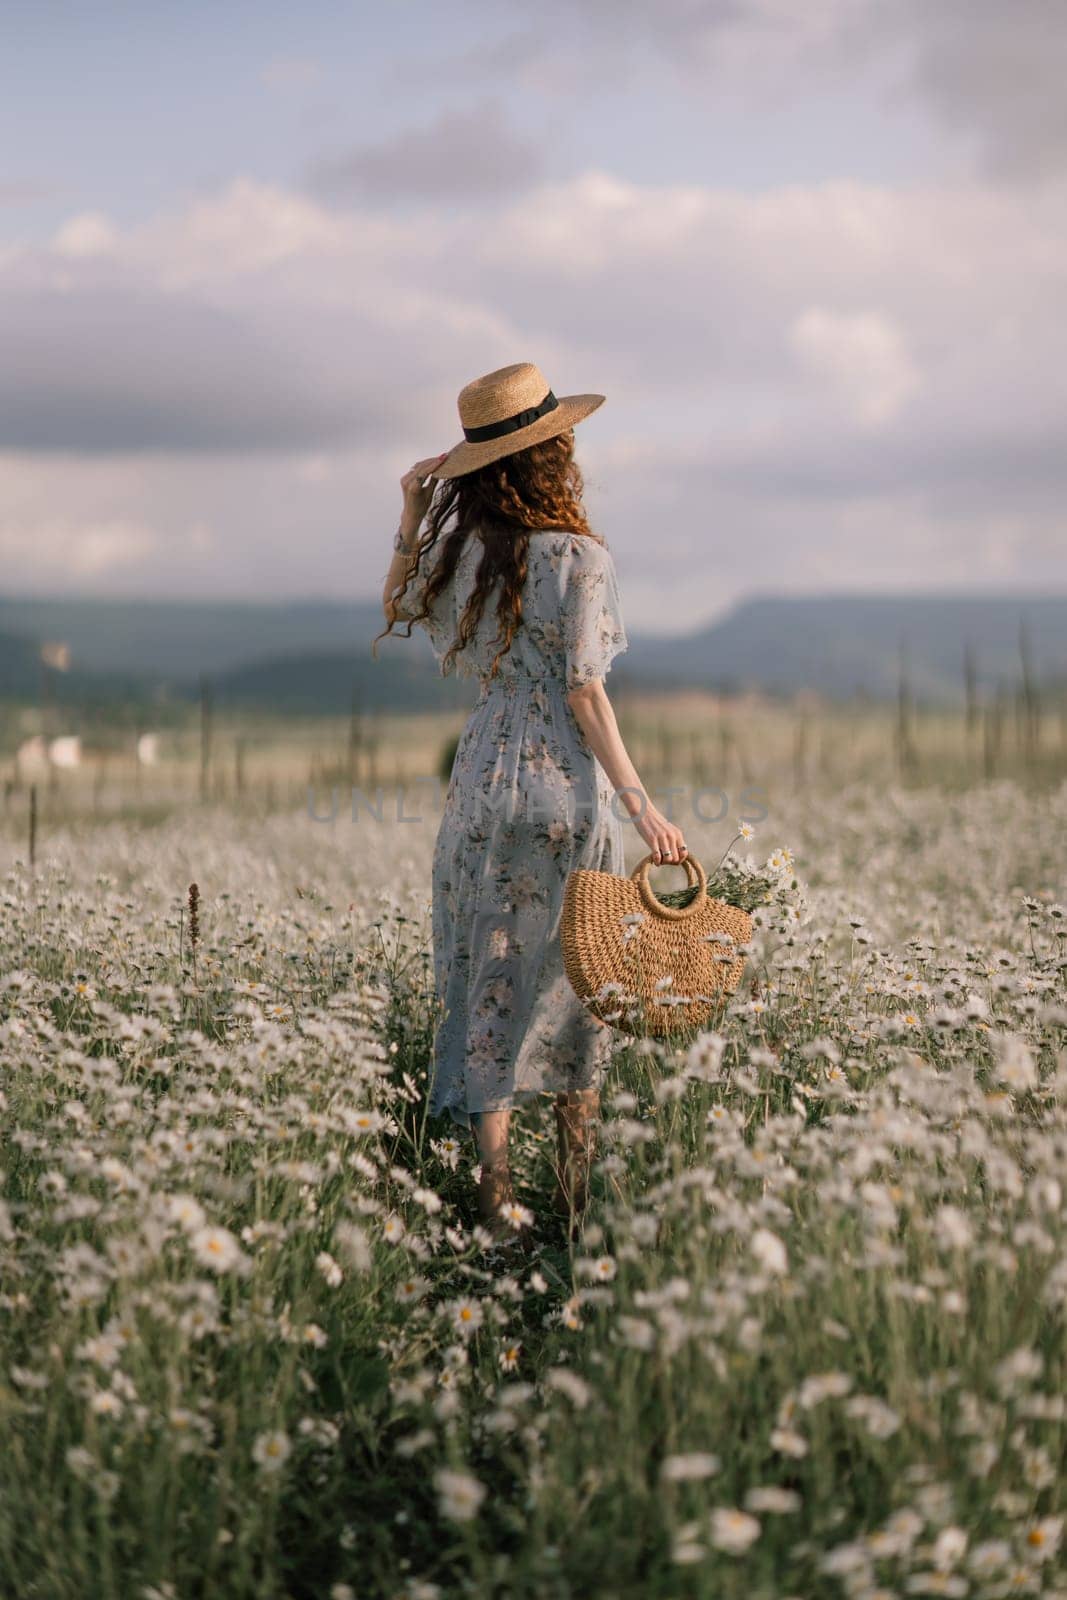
(590, 611)
(440, 624)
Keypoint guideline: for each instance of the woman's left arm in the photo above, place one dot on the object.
(417, 499)
(404, 548)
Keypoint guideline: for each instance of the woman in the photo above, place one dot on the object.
(537, 766)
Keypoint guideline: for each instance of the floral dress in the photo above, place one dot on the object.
(527, 802)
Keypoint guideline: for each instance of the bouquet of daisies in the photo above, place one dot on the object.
(770, 889)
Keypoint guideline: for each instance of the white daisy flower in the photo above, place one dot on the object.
(460, 1494)
(733, 1530)
(217, 1248)
(329, 1268)
(691, 1466)
(271, 1450)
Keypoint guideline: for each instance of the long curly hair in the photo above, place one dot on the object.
(536, 488)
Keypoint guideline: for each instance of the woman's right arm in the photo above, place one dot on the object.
(595, 716)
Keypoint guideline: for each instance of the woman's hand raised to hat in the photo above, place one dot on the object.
(416, 497)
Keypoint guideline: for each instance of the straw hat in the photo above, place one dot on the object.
(507, 410)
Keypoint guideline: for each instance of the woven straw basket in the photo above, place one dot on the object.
(619, 940)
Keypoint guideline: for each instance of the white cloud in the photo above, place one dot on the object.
(89, 233)
(60, 548)
(862, 354)
(314, 469)
(785, 371)
(740, 50)
(989, 70)
(996, 72)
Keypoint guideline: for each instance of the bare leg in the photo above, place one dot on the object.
(577, 1111)
(491, 1132)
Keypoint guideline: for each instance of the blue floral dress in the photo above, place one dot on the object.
(526, 803)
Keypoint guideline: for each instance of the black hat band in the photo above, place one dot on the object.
(521, 419)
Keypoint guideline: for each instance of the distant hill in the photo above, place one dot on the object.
(171, 639)
(842, 645)
(20, 671)
(309, 655)
(324, 683)
(300, 657)
(22, 678)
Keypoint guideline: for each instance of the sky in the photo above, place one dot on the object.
(813, 252)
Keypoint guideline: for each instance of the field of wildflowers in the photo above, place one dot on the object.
(252, 1342)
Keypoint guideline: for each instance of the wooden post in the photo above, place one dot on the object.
(205, 733)
(372, 746)
(1031, 703)
(697, 763)
(800, 752)
(906, 755)
(355, 735)
(665, 747)
(991, 750)
(970, 687)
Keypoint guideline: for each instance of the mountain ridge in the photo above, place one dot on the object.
(309, 653)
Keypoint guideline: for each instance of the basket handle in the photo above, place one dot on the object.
(694, 872)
